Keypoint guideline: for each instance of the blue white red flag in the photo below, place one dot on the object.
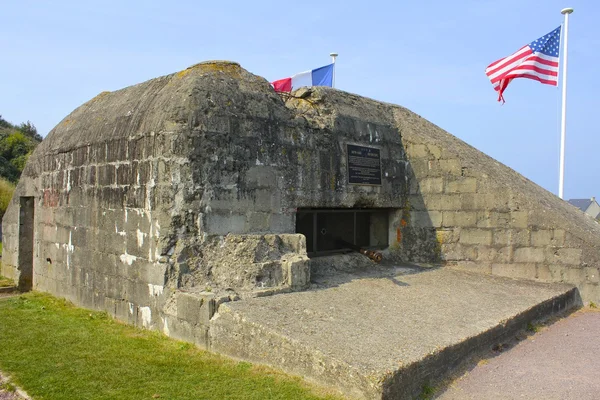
(538, 60)
(317, 77)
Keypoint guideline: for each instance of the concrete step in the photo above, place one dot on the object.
(384, 335)
(8, 289)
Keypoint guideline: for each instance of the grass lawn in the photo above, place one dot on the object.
(54, 350)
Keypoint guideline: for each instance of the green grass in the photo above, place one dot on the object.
(54, 350)
(427, 392)
(534, 328)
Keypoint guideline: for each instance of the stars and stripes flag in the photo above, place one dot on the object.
(537, 60)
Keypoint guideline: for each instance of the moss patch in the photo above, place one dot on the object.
(5, 282)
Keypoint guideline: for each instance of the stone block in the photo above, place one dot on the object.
(541, 238)
(261, 177)
(458, 252)
(487, 254)
(529, 255)
(562, 255)
(258, 221)
(450, 166)
(106, 175)
(575, 275)
(426, 219)
(417, 151)
(298, 272)
(442, 202)
(558, 237)
(195, 308)
(420, 167)
(543, 273)
(296, 242)
(514, 237)
(477, 201)
(504, 255)
(519, 219)
(220, 224)
(282, 223)
(416, 202)
(589, 292)
(124, 174)
(569, 256)
(435, 151)
(476, 236)
(493, 219)
(447, 236)
(152, 273)
(515, 270)
(462, 185)
(592, 274)
(431, 185)
(500, 237)
(459, 219)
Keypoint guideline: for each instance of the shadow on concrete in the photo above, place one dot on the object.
(336, 270)
(497, 349)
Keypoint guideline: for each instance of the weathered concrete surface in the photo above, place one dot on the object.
(383, 335)
(162, 200)
(487, 218)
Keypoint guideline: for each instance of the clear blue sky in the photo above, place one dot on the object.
(428, 56)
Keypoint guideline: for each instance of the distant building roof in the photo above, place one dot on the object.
(582, 204)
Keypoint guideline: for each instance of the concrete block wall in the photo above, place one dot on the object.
(97, 223)
(487, 218)
(140, 192)
(192, 181)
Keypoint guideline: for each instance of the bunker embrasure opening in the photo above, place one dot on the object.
(330, 231)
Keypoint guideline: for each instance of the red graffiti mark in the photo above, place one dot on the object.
(398, 235)
(403, 222)
(50, 198)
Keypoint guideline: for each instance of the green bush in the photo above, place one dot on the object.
(17, 142)
(6, 192)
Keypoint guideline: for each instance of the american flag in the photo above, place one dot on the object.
(538, 60)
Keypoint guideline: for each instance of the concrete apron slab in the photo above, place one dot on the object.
(384, 337)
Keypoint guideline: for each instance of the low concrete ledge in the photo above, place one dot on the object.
(434, 368)
(8, 289)
(384, 337)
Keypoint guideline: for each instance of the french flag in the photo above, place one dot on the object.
(317, 77)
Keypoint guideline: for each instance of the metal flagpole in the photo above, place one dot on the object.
(563, 123)
(333, 56)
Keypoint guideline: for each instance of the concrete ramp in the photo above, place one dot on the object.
(384, 334)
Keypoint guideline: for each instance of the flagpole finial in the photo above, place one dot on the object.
(566, 11)
(333, 56)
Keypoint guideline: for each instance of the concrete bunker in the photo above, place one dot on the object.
(207, 178)
(162, 201)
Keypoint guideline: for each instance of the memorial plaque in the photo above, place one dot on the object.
(364, 165)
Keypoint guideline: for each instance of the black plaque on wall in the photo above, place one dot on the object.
(364, 165)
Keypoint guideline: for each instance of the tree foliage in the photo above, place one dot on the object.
(17, 142)
(6, 191)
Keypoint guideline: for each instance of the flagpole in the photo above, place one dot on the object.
(333, 56)
(563, 123)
